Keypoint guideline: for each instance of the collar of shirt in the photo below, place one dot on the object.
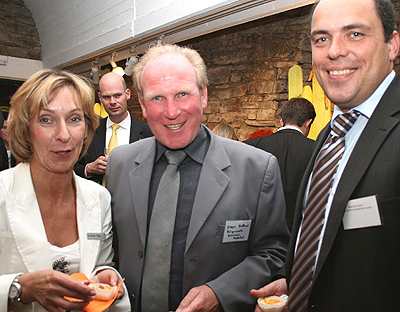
(290, 127)
(126, 123)
(196, 150)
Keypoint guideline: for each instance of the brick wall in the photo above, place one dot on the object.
(18, 33)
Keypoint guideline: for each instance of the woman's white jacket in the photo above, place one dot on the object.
(23, 242)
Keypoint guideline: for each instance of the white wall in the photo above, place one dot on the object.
(18, 68)
(74, 32)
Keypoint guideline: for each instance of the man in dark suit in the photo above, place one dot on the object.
(354, 45)
(7, 160)
(229, 231)
(291, 147)
(114, 95)
(3, 151)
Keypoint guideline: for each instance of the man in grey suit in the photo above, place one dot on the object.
(226, 187)
(354, 46)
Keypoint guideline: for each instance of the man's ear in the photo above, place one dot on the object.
(307, 124)
(204, 99)
(128, 93)
(142, 106)
(393, 45)
(281, 122)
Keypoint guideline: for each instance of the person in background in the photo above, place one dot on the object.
(225, 130)
(226, 224)
(3, 150)
(118, 128)
(343, 252)
(7, 160)
(53, 223)
(291, 147)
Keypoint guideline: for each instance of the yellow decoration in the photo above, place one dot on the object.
(322, 105)
(295, 81)
(307, 93)
(99, 110)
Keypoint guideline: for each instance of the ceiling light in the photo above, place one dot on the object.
(131, 62)
(116, 69)
(95, 73)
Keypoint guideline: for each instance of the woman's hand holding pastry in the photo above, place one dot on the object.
(49, 287)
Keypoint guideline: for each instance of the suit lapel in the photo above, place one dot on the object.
(26, 222)
(99, 139)
(212, 184)
(89, 221)
(136, 131)
(378, 127)
(139, 179)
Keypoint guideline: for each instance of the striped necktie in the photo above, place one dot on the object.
(323, 174)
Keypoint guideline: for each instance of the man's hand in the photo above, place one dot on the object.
(277, 288)
(200, 299)
(97, 167)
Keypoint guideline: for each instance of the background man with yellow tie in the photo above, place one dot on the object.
(119, 127)
(343, 253)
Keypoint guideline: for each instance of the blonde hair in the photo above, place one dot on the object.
(154, 52)
(225, 130)
(35, 94)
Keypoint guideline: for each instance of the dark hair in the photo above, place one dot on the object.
(1, 119)
(388, 17)
(297, 111)
(385, 11)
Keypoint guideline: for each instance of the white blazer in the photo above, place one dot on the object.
(23, 241)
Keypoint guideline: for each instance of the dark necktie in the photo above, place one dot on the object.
(157, 264)
(323, 174)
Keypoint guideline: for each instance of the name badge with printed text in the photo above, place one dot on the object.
(96, 236)
(362, 213)
(236, 231)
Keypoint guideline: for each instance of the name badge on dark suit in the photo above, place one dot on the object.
(361, 213)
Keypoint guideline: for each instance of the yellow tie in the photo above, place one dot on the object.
(114, 139)
(112, 144)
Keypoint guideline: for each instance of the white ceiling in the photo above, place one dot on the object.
(73, 33)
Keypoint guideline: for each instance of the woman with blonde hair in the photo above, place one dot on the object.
(52, 222)
(225, 130)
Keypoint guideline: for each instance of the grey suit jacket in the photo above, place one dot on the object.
(237, 182)
(357, 268)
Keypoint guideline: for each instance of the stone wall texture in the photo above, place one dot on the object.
(18, 34)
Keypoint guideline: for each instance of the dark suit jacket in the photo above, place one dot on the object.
(358, 270)
(237, 182)
(293, 151)
(4, 157)
(139, 130)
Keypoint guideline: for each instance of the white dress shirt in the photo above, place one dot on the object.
(123, 132)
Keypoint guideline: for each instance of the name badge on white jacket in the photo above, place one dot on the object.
(236, 231)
